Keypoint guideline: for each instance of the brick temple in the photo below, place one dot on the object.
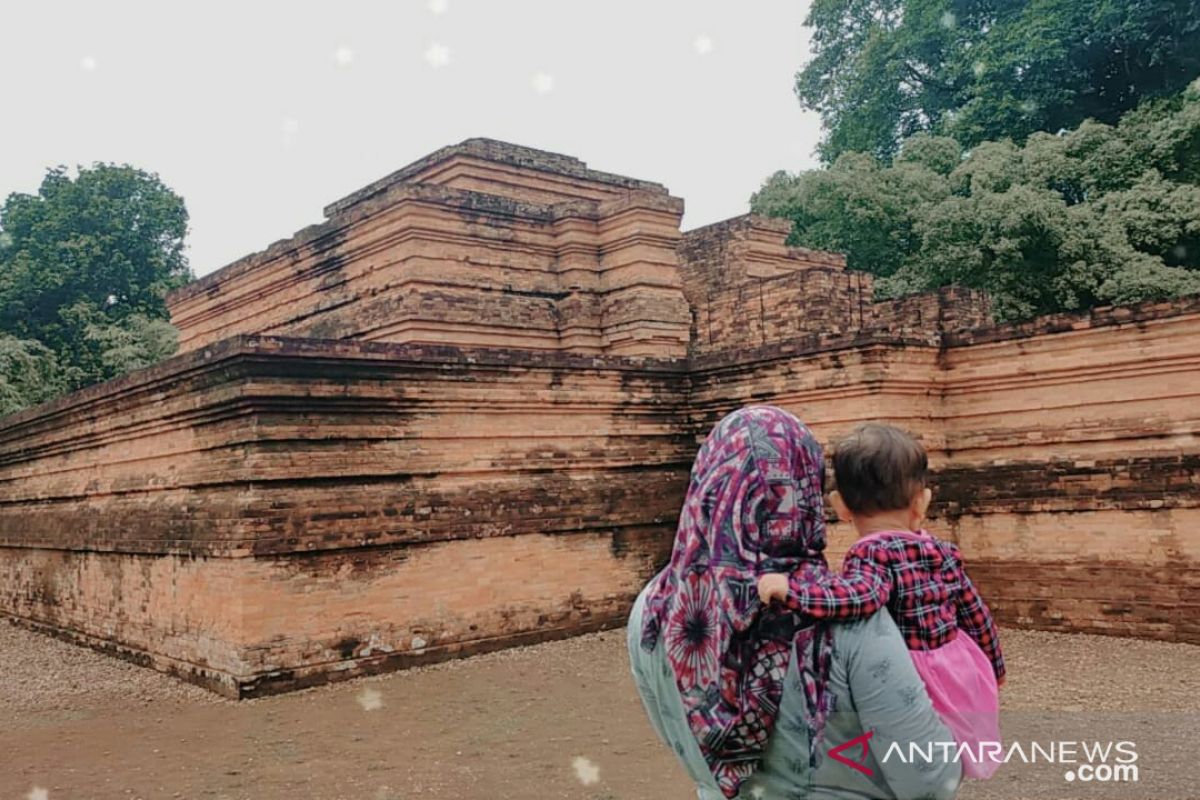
(459, 415)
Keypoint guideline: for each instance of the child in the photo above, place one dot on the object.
(880, 475)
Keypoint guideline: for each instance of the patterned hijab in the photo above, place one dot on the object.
(753, 505)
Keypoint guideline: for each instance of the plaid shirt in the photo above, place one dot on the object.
(921, 580)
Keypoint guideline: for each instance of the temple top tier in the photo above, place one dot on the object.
(506, 170)
(490, 244)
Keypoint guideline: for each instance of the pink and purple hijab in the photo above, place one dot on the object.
(753, 505)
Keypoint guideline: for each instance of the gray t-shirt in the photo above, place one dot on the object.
(875, 687)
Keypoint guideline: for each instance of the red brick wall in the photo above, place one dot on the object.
(261, 513)
(1066, 455)
(456, 249)
(252, 513)
(748, 290)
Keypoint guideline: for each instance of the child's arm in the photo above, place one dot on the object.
(975, 618)
(859, 591)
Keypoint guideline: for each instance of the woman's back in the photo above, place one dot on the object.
(875, 688)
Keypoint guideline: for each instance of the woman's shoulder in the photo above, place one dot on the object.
(851, 635)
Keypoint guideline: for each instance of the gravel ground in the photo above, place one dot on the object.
(557, 720)
(45, 678)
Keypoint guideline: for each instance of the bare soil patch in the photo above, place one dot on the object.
(526, 723)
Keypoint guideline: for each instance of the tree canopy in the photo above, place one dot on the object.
(983, 70)
(1100, 214)
(29, 374)
(85, 265)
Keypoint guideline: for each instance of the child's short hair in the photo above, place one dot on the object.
(878, 468)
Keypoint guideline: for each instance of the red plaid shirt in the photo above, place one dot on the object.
(921, 580)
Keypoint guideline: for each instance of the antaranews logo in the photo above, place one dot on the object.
(1086, 761)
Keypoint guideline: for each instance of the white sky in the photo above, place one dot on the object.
(260, 113)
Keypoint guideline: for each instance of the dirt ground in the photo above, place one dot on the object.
(558, 720)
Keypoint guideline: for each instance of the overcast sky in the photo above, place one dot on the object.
(260, 113)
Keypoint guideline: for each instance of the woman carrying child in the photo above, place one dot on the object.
(880, 475)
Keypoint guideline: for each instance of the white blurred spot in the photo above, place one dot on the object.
(437, 55)
(1029, 108)
(979, 68)
(587, 772)
(543, 83)
(290, 127)
(88, 64)
(418, 645)
(343, 56)
(439, 6)
(949, 20)
(37, 793)
(757, 793)
(702, 44)
(111, 300)
(370, 699)
(1179, 251)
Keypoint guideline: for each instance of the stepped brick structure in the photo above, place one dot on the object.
(459, 415)
(478, 244)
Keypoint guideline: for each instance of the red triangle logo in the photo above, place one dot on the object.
(861, 741)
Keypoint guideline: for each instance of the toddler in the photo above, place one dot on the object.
(879, 472)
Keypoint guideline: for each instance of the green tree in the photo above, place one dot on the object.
(858, 206)
(1099, 214)
(29, 374)
(85, 265)
(134, 343)
(982, 70)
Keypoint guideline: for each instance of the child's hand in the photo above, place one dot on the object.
(772, 586)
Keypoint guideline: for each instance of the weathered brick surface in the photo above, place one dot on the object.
(274, 499)
(1065, 448)
(528, 249)
(460, 415)
(747, 289)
